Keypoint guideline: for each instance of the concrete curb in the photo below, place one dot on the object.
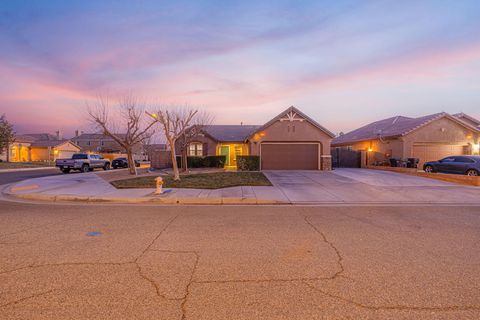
(25, 169)
(146, 200)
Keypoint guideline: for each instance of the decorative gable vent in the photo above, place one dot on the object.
(292, 116)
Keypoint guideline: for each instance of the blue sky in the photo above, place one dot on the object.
(344, 63)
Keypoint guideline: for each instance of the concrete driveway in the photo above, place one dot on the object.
(368, 186)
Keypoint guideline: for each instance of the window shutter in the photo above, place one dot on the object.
(204, 151)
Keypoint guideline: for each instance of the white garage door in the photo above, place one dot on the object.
(432, 152)
(62, 154)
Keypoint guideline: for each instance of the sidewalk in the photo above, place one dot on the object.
(89, 187)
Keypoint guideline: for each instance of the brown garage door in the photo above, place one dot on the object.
(432, 152)
(293, 156)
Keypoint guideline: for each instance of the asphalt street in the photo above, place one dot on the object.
(68, 261)
(15, 176)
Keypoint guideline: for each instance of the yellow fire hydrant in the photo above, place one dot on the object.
(159, 182)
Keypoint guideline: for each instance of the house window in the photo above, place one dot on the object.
(88, 143)
(195, 149)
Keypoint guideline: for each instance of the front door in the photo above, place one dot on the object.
(225, 151)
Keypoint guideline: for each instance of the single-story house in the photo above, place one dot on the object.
(291, 140)
(39, 147)
(427, 138)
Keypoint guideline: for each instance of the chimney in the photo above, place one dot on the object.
(57, 133)
(76, 133)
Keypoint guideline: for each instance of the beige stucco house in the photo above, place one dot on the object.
(39, 147)
(427, 138)
(291, 140)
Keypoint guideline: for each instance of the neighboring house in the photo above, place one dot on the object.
(427, 138)
(291, 140)
(40, 147)
(468, 119)
(97, 142)
(50, 150)
(101, 143)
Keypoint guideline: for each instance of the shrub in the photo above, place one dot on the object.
(214, 161)
(248, 163)
(203, 162)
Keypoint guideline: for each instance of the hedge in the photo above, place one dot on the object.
(248, 163)
(203, 162)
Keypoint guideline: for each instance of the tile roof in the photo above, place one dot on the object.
(40, 136)
(96, 136)
(391, 127)
(24, 138)
(48, 143)
(467, 117)
(230, 133)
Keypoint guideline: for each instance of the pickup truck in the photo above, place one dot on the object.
(82, 162)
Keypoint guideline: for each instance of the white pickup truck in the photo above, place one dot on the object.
(83, 162)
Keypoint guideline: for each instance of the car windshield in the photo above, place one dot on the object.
(79, 156)
(120, 159)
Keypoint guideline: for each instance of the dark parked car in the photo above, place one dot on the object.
(122, 163)
(469, 165)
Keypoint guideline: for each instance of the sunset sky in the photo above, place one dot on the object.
(344, 63)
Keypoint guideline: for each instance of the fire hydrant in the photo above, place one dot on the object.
(159, 182)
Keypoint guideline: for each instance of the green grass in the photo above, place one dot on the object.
(199, 181)
(20, 165)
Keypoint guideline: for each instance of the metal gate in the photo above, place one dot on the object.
(344, 158)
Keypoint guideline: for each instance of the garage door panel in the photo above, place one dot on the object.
(291, 156)
(433, 152)
(62, 154)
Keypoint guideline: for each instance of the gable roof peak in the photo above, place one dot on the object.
(291, 112)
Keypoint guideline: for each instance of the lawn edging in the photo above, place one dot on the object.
(454, 178)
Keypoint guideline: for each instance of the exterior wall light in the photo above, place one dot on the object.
(476, 148)
(370, 149)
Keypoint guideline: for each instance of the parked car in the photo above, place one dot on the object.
(469, 165)
(123, 163)
(83, 162)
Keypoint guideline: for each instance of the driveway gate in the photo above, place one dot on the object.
(344, 158)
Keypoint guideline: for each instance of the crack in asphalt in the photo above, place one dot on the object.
(331, 245)
(139, 268)
(35, 266)
(396, 308)
(365, 306)
(266, 280)
(27, 298)
(187, 290)
(156, 238)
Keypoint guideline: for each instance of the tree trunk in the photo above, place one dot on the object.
(184, 160)
(176, 173)
(8, 151)
(131, 162)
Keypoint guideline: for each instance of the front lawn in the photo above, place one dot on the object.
(199, 181)
(20, 165)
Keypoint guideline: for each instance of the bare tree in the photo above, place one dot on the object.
(7, 136)
(174, 120)
(127, 115)
(197, 127)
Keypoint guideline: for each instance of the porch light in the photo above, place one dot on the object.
(476, 148)
(370, 149)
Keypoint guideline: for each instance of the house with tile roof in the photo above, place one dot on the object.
(291, 140)
(427, 138)
(39, 147)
